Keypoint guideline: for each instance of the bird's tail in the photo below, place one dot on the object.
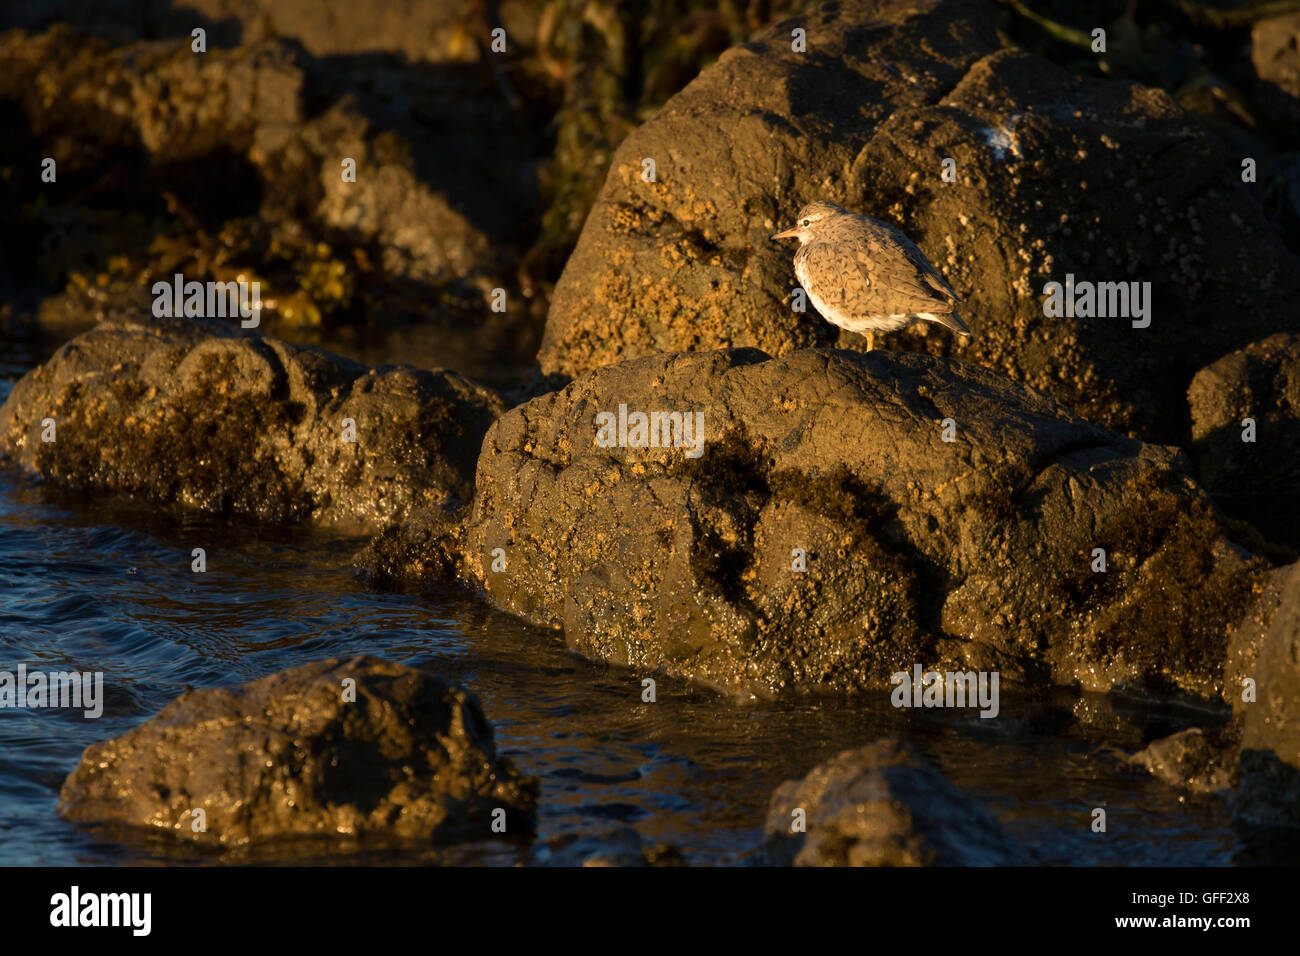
(949, 320)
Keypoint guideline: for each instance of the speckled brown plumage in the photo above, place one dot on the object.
(865, 276)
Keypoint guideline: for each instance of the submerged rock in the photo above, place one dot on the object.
(834, 517)
(1053, 176)
(1191, 759)
(412, 756)
(198, 414)
(882, 805)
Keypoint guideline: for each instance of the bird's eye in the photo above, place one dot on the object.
(806, 222)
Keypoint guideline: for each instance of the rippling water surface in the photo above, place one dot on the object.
(103, 584)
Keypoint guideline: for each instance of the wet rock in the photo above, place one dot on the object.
(410, 555)
(1192, 760)
(882, 805)
(1268, 790)
(1260, 382)
(1245, 412)
(1249, 636)
(179, 411)
(826, 534)
(412, 757)
(423, 236)
(1055, 176)
(1207, 761)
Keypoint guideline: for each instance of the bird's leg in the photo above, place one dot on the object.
(871, 341)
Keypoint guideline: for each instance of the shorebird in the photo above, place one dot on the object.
(865, 276)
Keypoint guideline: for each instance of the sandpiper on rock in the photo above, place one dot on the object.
(865, 276)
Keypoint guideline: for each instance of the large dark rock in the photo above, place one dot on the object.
(1260, 382)
(1055, 175)
(977, 551)
(685, 262)
(1252, 393)
(199, 414)
(882, 805)
(1268, 787)
(411, 757)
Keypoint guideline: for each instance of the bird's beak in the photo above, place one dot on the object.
(790, 233)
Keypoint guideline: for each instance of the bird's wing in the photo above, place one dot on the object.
(891, 245)
(846, 278)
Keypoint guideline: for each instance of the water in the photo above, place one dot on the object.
(105, 584)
